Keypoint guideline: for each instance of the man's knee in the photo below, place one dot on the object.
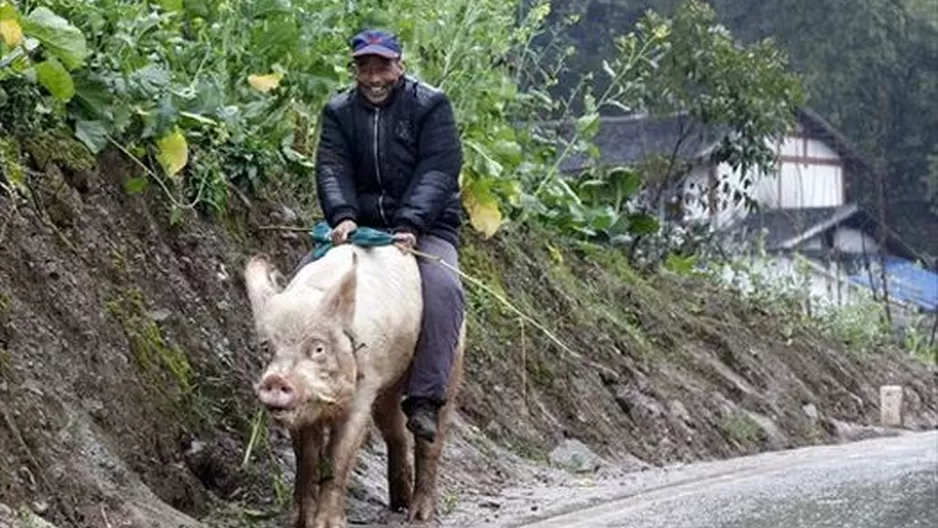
(441, 285)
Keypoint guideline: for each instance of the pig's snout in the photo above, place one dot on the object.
(277, 393)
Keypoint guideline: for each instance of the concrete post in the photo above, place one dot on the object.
(890, 405)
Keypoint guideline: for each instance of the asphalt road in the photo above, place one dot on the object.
(882, 483)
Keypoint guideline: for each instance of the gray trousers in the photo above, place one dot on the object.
(444, 303)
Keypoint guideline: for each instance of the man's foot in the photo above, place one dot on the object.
(422, 416)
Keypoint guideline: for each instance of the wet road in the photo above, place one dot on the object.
(881, 483)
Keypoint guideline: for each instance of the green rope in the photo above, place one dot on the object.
(362, 236)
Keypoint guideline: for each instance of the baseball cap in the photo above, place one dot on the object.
(376, 42)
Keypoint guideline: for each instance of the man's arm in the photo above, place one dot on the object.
(334, 180)
(437, 172)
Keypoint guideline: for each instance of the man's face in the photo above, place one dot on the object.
(376, 76)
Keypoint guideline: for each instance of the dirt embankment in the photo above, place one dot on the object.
(127, 357)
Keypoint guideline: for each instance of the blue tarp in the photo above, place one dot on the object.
(907, 282)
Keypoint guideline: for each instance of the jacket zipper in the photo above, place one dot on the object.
(378, 168)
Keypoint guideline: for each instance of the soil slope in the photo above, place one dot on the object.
(127, 358)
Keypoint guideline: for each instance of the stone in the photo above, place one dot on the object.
(680, 411)
(160, 315)
(576, 457)
(810, 410)
(890, 405)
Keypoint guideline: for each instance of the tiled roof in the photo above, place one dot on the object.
(782, 225)
(627, 140)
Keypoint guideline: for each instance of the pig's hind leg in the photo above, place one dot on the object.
(390, 419)
(427, 455)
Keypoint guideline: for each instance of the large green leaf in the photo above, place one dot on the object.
(57, 35)
(267, 8)
(588, 125)
(482, 206)
(93, 134)
(93, 99)
(626, 181)
(54, 77)
(8, 11)
(171, 5)
(643, 224)
(11, 32)
(508, 150)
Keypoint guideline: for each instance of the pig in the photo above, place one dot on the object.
(341, 336)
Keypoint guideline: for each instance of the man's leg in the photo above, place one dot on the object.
(443, 308)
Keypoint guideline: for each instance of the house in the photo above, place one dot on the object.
(815, 164)
(839, 253)
(807, 207)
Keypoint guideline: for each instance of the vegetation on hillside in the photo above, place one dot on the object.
(221, 99)
(210, 97)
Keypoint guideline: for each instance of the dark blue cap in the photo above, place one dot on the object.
(376, 42)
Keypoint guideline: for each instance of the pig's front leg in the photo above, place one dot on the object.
(344, 443)
(307, 444)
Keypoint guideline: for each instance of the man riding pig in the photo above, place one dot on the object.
(342, 348)
(389, 157)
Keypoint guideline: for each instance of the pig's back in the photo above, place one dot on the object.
(389, 304)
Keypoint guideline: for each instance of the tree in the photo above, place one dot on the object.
(747, 90)
(687, 64)
(854, 57)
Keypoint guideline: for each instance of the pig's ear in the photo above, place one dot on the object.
(339, 302)
(259, 282)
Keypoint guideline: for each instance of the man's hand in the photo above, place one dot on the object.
(341, 232)
(404, 241)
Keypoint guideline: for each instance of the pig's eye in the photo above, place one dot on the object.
(317, 349)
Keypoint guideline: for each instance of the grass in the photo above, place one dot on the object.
(741, 429)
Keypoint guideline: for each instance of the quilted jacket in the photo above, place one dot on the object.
(394, 166)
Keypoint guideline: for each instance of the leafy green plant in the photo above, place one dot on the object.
(208, 97)
(38, 53)
(918, 339)
(204, 95)
(42, 47)
(466, 47)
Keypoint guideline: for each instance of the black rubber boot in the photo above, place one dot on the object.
(422, 417)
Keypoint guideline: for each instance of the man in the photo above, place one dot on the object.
(389, 157)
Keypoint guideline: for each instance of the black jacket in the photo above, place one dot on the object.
(392, 167)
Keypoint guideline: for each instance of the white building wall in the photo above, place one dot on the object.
(791, 146)
(801, 185)
(809, 175)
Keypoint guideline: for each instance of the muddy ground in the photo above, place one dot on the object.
(127, 358)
